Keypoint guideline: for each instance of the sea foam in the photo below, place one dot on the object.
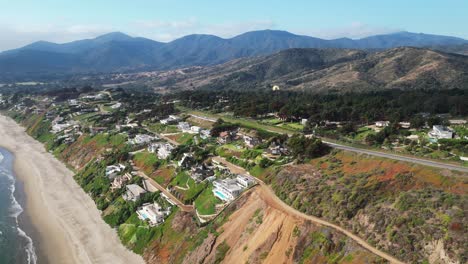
(15, 210)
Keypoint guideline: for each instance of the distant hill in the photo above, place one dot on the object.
(322, 70)
(119, 52)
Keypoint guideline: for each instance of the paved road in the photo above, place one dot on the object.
(400, 157)
(272, 200)
(416, 160)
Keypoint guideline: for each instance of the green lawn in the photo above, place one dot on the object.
(182, 180)
(272, 121)
(294, 126)
(206, 202)
(146, 161)
(245, 122)
(184, 138)
(362, 133)
(164, 129)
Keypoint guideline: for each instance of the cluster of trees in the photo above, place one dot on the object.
(220, 125)
(395, 105)
(302, 147)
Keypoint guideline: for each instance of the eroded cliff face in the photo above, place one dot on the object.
(255, 232)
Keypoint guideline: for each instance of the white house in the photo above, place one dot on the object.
(165, 150)
(457, 122)
(405, 124)
(170, 120)
(154, 213)
(205, 133)
(184, 126)
(382, 123)
(113, 170)
(133, 193)
(245, 181)
(57, 128)
(116, 106)
(440, 132)
(153, 147)
(226, 189)
(195, 129)
(141, 139)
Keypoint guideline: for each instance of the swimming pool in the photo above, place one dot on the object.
(221, 195)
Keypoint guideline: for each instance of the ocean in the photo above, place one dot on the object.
(16, 246)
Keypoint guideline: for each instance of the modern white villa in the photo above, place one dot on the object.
(226, 189)
(245, 180)
(153, 212)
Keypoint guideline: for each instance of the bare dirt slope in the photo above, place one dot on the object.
(260, 233)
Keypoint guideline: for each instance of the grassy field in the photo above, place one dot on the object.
(184, 181)
(249, 123)
(146, 161)
(182, 138)
(163, 129)
(163, 175)
(206, 202)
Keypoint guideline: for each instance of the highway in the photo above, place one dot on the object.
(400, 157)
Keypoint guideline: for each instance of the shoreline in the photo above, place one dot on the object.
(25, 221)
(68, 224)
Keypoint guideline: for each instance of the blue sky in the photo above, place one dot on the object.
(25, 21)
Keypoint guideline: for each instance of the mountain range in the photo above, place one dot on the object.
(323, 70)
(117, 52)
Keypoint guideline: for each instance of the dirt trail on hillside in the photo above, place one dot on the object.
(260, 233)
(270, 198)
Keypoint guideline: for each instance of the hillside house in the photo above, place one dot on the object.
(120, 181)
(226, 189)
(439, 132)
(226, 137)
(205, 133)
(113, 170)
(382, 123)
(142, 139)
(245, 181)
(200, 173)
(153, 212)
(133, 193)
(186, 161)
(251, 141)
(172, 119)
(184, 126)
(165, 150)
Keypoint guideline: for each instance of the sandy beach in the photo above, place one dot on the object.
(69, 226)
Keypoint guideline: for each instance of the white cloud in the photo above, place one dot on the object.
(170, 30)
(21, 35)
(355, 30)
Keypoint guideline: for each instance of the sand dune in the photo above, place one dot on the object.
(69, 225)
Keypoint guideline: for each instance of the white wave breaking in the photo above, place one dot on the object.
(15, 211)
